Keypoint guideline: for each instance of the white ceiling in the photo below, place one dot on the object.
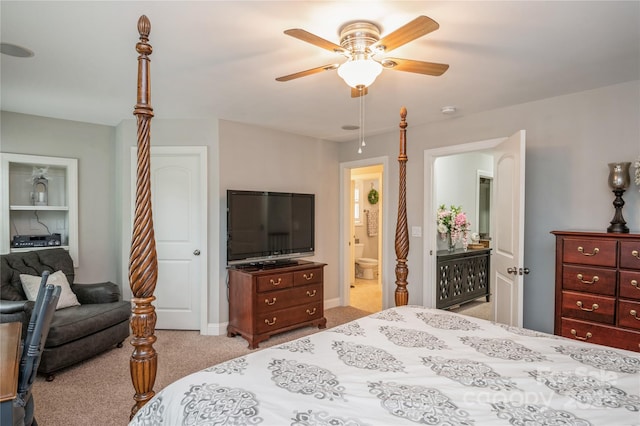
(219, 59)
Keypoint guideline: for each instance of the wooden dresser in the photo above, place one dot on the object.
(598, 288)
(267, 301)
(463, 276)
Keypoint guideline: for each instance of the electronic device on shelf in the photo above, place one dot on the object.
(265, 227)
(51, 240)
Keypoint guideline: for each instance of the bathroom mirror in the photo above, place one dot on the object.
(484, 207)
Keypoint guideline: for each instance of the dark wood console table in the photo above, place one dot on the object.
(462, 276)
(271, 300)
(10, 352)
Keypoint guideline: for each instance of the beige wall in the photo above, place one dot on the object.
(570, 139)
(255, 158)
(92, 145)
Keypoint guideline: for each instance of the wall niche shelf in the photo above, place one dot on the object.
(20, 215)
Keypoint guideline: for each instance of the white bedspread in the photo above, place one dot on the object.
(409, 365)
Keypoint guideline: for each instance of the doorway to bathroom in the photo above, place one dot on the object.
(363, 229)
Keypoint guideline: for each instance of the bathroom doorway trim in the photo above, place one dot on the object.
(346, 249)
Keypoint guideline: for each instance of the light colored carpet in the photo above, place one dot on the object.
(478, 308)
(99, 391)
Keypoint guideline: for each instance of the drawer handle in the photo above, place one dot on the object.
(593, 253)
(635, 284)
(593, 307)
(272, 322)
(276, 282)
(311, 294)
(635, 254)
(593, 280)
(575, 334)
(270, 303)
(308, 277)
(311, 312)
(634, 314)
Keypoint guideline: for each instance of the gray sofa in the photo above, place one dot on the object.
(77, 332)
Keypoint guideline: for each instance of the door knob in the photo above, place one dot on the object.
(524, 271)
(196, 252)
(513, 270)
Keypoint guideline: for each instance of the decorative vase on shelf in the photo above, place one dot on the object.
(451, 245)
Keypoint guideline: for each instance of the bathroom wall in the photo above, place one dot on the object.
(456, 181)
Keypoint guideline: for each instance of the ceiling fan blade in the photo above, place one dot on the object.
(356, 93)
(417, 28)
(420, 67)
(303, 35)
(308, 72)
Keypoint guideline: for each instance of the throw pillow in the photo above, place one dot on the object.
(31, 284)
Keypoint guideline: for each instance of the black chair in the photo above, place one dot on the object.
(37, 331)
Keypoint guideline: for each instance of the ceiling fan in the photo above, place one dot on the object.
(361, 44)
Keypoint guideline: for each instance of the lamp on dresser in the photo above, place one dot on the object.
(619, 181)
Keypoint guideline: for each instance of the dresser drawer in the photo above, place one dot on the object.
(274, 282)
(280, 299)
(600, 334)
(586, 251)
(307, 277)
(589, 279)
(296, 315)
(589, 307)
(630, 254)
(629, 285)
(629, 314)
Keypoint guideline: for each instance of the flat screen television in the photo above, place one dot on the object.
(269, 227)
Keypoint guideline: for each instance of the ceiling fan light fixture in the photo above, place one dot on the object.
(360, 72)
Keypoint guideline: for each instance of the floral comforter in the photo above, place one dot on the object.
(408, 365)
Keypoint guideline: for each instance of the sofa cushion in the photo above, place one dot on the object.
(80, 321)
(31, 286)
(31, 263)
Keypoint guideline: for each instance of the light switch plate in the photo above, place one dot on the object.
(416, 231)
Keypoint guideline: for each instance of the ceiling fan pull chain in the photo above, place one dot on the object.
(360, 130)
(362, 113)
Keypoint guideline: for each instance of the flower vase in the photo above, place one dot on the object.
(451, 245)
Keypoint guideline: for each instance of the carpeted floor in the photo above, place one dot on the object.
(99, 391)
(478, 308)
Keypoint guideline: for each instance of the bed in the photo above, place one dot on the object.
(406, 364)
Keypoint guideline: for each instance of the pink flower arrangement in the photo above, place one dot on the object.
(453, 222)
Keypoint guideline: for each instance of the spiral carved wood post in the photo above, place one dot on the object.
(143, 261)
(402, 231)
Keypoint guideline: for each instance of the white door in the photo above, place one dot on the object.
(179, 208)
(508, 225)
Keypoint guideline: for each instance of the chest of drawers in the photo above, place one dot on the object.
(597, 295)
(264, 302)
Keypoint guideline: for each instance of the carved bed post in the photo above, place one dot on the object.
(402, 231)
(143, 261)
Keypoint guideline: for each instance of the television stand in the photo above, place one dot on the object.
(274, 299)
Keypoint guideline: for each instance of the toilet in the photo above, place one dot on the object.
(366, 267)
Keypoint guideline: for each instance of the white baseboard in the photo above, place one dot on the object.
(216, 329)
(332, 303)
